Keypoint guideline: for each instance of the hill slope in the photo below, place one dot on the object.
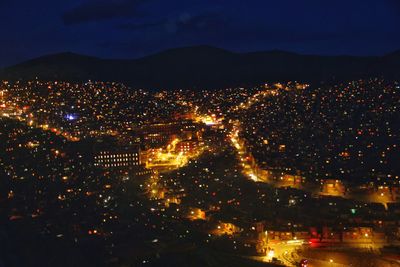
(205, 66)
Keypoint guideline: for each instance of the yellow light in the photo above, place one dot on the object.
(271, 254)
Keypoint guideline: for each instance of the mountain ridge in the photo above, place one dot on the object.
(206, 67)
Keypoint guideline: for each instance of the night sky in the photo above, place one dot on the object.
(135, 28)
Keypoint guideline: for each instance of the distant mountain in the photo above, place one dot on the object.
(206, 67)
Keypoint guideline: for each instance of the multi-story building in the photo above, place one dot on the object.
(156, 135)
(118, 158)
(187, 147)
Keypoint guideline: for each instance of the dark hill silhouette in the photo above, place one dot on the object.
(206, 67)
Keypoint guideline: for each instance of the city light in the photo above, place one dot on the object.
(71, 117)
(266, 173)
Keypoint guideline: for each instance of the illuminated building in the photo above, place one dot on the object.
(333, 188)
(225, 228)
(160, 134)
(155, 139)
(186, 147)
(118, 159)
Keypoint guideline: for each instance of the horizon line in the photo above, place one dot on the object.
(198, 46)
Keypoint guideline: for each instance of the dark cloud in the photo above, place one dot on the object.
(96, 10)
(141, 26)
(395, 4)
(201, 22)
(5, 3)
(184, 22)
